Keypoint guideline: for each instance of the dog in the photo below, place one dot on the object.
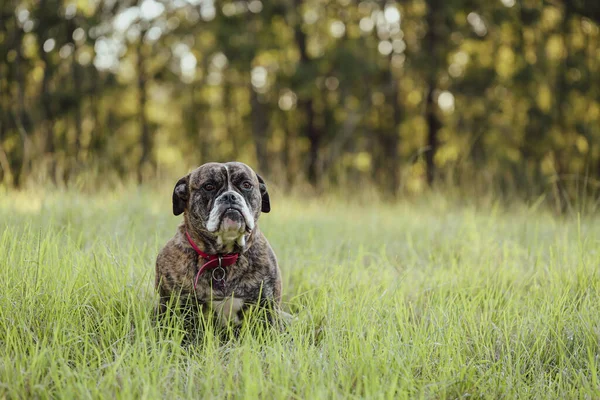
(219, 263)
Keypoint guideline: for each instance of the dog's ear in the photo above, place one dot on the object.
(180, 195)
(266, 204)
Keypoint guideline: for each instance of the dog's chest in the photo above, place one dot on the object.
(239, 280)
(227, 293)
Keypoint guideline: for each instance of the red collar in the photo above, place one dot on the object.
(212, 260)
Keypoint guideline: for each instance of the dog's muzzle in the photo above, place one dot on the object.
(232, 219)
(230, 213)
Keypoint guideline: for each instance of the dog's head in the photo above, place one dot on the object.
(224, 200)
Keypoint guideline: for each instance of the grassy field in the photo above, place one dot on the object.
(415, 300)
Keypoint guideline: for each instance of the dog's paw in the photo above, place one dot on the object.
(284, 320)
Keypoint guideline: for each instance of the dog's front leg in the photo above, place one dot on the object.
(228, 311)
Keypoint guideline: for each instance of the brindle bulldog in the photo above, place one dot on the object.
(219, 260)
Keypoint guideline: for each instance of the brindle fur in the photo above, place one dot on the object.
(254, 278)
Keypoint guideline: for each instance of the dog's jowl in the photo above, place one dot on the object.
(219, 259)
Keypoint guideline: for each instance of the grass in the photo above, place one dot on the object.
(413, 300)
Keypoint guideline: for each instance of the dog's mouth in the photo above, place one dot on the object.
(232, 213)
(232, 219)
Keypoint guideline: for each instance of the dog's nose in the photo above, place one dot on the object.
(229, 198)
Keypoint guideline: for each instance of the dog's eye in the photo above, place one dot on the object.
(209, 187)
(247, 185)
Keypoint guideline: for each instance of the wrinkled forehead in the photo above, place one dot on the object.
(218, 172)
(238, 169)
(207, 172)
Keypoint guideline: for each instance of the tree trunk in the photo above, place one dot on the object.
(389, 135)
(288, 158)
(433, 127)
(96, 147)
(46, 97)
(5, 170)
(230, 120)
(205, 122)
(311, 131)
(21, 118)
(561, 97)
(77, 79)
(433, 122)
(260, 126)
(314, 136)
(145, 135)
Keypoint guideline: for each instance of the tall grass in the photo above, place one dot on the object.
(413, 300)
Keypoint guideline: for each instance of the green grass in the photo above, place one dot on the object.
(414, 300)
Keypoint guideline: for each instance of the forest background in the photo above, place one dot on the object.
(486, 96)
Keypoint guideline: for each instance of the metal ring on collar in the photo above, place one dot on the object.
(221, 274)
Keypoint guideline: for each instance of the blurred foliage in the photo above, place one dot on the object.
(403, 94)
